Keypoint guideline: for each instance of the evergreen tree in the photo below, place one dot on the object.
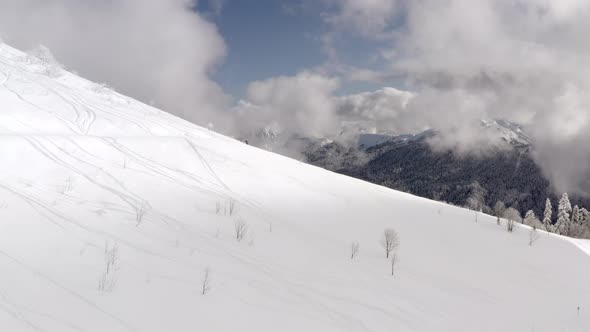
(576, 216)
(548, 215)
(563, 215)
(585, 216)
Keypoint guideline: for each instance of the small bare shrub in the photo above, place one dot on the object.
(231, 207)
(499, 209)
(226, 208)
(102, 88)
(205, 286)
(354, 249)
(241, 229)
(140, 211)
(108, 279)
(41, 55)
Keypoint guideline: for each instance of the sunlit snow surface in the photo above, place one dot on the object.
(83, 168)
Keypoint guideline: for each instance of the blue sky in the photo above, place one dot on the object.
(269, 38)
(264, 40)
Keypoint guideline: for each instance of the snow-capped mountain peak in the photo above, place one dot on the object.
(510, 132)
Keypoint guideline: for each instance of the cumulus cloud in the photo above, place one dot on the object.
(525, 61)
(367, 17)
(302, 104)
(158, 51)
(385, 109)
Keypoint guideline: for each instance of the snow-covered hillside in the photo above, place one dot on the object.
(90, 179)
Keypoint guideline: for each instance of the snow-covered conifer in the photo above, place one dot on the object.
(548, 215)
(563, 215)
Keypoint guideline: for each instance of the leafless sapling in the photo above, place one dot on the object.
(499, 209)
(393, 261)
(354, 249)
(512, 216)
(206, 283)
(389, 241)
(232, 206)
(510, 225)
(241, 228)
(140, 211)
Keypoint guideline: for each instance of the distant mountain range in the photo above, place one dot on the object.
(406, 162)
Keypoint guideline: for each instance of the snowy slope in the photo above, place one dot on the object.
(84, 168)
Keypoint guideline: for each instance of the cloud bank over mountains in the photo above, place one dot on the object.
(525, 61)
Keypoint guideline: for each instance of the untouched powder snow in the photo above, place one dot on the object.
(85, 170)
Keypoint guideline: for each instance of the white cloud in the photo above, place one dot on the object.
(300, 104)
(158, 50)
(216, 6)
(368, 17)
(386, 109)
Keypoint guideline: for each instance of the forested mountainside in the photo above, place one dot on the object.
(508, 175)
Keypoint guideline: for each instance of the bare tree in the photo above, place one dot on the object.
(389, 241)
(393, 261)
(241, 228)
(511, 215)
(533, 235)
(499, 209)
(354, 249)
(206, 284)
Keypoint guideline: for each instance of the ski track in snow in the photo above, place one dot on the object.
(583, 245)
(72, 293)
